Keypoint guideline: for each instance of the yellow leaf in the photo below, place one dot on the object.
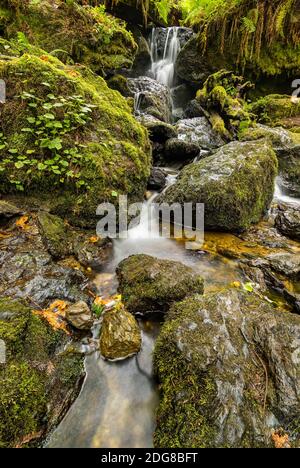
(280, 439)
(94, 239)
(22, 222)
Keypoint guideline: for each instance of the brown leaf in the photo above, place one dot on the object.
(280, 439)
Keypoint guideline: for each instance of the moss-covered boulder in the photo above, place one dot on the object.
(228, 373)
(286, 145)
(74, 33)
(276, 110)
(236, 185)
(120, 335)
(222, 95)
(72, 142)
(150, 286)
(38, 381)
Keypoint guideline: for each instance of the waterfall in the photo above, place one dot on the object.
(163, 69)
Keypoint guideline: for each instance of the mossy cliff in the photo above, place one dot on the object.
(66, 137)
(258, 37)
(37, 383)
(73, 33)
(228, 375)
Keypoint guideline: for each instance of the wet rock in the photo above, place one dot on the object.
(154, 98)
(236, 184)
(38, 378)
(232, 360)
(287, 264)
(191, 65)
(287, 221)
(198, 131)
(193, 110)
(79, 316)
(55, 234)
(158, 179)
(159, 131)
(286, 145)
(142, 60)
(93, 254)
(120, 335)
(180, 150)
(8, 210)
(149, 285)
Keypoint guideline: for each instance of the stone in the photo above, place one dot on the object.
(180, 150)
(198, 131)
(287, 221)
(8, 210)
(193, 110)
(158, 179)
(287, 264)
(79, 316)
(149, 285)
(286, 145)
(228, 365)
(120, 335)
(153, 97)
(39, 380)
(55, 234)
(159, 131)
(92, 254)
(236, 185)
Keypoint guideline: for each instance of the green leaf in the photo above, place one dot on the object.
(114, 194)
(248, 287)
(13, 151)
(19, 165)
(49, 116)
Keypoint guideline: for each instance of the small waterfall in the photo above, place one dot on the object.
(163, 69)
(137, 102)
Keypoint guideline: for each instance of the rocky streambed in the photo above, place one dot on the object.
(140, 341)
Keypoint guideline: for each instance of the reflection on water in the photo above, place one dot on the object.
(116, 408)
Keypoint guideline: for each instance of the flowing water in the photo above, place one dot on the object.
(163, 68)
(116, 407)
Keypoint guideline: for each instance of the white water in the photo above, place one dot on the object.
(280, 196)
(163, 69)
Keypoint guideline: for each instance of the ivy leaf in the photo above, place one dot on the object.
(19, 165)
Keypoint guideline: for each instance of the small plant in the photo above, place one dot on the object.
(49, 124)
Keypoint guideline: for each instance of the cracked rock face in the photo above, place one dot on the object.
(229, 365)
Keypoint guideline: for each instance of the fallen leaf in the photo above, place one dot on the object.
(55, 316)
(22, 223)
(29, 438)
(280, 439)
(94, 239)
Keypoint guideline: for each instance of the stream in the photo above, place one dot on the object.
(117, 404)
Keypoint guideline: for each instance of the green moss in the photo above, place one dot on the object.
(274, 109)
(22, 403)
(77, 34)
(36, 382)
(148, 284)
(111, 147)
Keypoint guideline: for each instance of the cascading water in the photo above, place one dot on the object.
(163, 69)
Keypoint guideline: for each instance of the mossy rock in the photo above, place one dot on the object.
(75, 33)
(236, 185)
(211, 359)
(98, 149)
(150, 286)
(286, 145)
(276, 110)
(37, 381)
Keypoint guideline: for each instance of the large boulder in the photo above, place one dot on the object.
(286, 145)
(152, 97)
(38, 381)
(120, 335)
(229, 369)
(149, 285)
(90, 36)
(87, 148)
(276, 110)
(236, 185)
(287, 221)
(159, 131)
(198, 131)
